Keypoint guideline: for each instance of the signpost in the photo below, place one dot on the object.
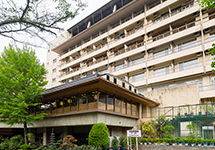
(133, 133)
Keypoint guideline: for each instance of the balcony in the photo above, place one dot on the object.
(207, 91)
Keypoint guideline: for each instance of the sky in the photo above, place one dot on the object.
(41, 53)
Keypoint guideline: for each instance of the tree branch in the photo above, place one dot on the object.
(27, 6)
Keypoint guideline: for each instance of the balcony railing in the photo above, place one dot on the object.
(69, 72)
(96, 62)
(207, 87)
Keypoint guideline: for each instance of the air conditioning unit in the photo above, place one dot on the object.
(155, 15)
(138, 23)
(197, 34)
(150, 68)
(208, 30)
(144, 69)
(198, 54)
(116, 34)
(196, 14)
(150, 50)
(104, 40)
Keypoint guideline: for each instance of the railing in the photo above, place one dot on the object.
(96, 35)
(95, 62)
(115, 25)
(139, 12)
(126, 19)
(154, 4)
(207, 87)
(120, 67)
(136, 62)
(69, 72)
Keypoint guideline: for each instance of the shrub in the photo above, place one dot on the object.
(122, 141)
(68, 141)
(13, 143)
(99, 136)
(115, 143)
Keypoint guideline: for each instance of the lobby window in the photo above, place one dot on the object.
(54, 70)
(161, 71)
(54, 60)
(102, 100)
(54, 80)
(137, 77)
(110, 100)
(92, 100)
(82, 102)
(118, 104)
(188, 64)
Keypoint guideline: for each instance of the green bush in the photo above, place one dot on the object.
(99, 136)
(115, 143)
(122, 141)
(13, 143)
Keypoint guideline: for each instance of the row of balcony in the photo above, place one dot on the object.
(142, 26)
(166, 34)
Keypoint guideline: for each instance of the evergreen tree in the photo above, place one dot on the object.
(21, 85)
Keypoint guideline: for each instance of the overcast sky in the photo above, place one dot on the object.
(41, 53)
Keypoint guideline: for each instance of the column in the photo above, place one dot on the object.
(44, 136)
(140, 110)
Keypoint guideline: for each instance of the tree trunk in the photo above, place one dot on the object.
(25, 133)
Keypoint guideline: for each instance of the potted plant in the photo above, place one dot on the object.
(205, 142)
(177, 140)
(122, 142)
(180, 141)
(192, 141)
(145, 141)
(161, 141)
(200, 110)
(186, 142)
(156, 141)
(199, 141)
(211, 143)
(173, 142)
(150, 141)
(115, 143)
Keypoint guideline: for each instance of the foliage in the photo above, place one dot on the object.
(191, 140)
(199, 140)
(87, 147)
(192, 127)
(122, 141)
(13, 143)
(148, 130)
(26, 147)
(115, 143)
(207, 4)
(168, 131)
(35, 18)
(173, 140)
(159, 124)
(21, 86)
(69, 141)
(99, 136)
(55, 146)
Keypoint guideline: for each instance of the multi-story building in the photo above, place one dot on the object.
(160, 46)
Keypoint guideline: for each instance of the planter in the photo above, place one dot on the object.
(167, 144)
(211, 146)
(186, 144)
(150, 143)
(173, 144)
(178, 114)
(145, 143)
(156, 144)
(205, 145)
(115, 148)
(200, 113)
(185, 114)
(180, 144)
(161, 144)
(191, 113)
(199, 145)
(192, 145)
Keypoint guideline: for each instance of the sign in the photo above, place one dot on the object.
(133, 133)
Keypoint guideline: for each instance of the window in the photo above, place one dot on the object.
(142, 90)
(137, 77)
(119, 67)
(53, 80)
(188, 64)
(136, 61)
(185, 45)
(54, 60)
(162, 53)
(54, 70)
(161, 71)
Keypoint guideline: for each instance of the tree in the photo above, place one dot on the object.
(148, 130)
(99, 136)
(35, 18)
(208, 4)
(21, 85)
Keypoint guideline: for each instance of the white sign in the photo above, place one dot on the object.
(133, 133)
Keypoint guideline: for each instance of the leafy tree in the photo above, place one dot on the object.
(148, 130)
(192, 127)
(168, 131)
(35, 18)
(21, 85)
(208, 4)
(99, 136)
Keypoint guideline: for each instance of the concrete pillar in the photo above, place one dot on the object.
(140, 110)
(44, 136)
(64, 132)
